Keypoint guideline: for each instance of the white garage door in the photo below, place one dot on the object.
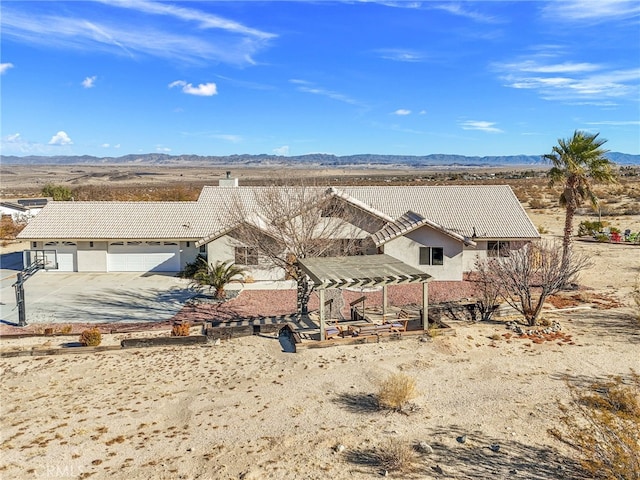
(143, 257)
(65, 255)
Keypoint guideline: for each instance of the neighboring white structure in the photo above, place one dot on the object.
(23, 209)
(440, 230)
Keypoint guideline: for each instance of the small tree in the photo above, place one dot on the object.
(528, 275)
(218, 276)
(284, 224)
(57, 192)
(488, 289)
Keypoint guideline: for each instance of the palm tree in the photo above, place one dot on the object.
(218, 275)
(578, 162)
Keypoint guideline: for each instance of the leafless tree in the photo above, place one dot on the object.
(528, 275)
(284, 224)
(488, 288)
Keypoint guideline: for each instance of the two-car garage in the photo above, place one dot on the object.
(143, 257)
(118, 256)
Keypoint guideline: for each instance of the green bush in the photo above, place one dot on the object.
(190, 269)
(588, 228)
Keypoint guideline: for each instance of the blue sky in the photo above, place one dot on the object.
(116, 77)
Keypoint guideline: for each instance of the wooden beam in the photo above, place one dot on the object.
(425, 306)
(322, 329)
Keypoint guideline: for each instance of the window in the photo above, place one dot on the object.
(246, 256)
(203, 249)
(34, 244)
(90, 244)
(498, 249)
(431, 256)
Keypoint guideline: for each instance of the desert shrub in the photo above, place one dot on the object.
(537, 204)
(588, 228)
(542, 229)
(180, 329)
(397, 456)
(602, 423)
(635, 295)
(397, 391)
(190, 269)
(602, 238)
(66, 329)
(91, 337)
(10, 228)
(433, 331)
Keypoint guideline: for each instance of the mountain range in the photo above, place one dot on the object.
(312, 160)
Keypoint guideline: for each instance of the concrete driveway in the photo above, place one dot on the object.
(59, 297)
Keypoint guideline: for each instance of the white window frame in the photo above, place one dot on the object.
(426, 256)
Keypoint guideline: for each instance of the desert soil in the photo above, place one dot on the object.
(247, 409)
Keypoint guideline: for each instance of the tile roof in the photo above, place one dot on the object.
(119, 220)
(492, 211)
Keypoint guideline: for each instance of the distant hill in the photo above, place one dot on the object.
(311, 160)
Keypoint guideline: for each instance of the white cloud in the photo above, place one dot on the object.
(203, 90)
(308, 87)
(591, 10)
(89, 82)
(4, 67)
(15, 137)
(570, 81)
(480, 125)
(402, 111)
(423, 112)
(620, 123)
(178, 40)
(283, 150)
(228, 137)
(400, 55)
(457, 9)
(160, 148)
(60, 138)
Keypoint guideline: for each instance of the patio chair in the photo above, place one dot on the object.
(332, 331)
(398, 326)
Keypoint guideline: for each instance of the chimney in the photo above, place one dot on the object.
(228, 181)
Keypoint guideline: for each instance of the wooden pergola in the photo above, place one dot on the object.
(363, 271)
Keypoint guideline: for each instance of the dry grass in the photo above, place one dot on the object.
(397, 456)
(397, 391)
(9, 229)
(603, 424)
(91, 337)
(180, 329)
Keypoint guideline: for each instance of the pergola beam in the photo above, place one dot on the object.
(363, 271)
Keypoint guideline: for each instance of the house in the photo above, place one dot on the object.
(441, 230)
(22, 209)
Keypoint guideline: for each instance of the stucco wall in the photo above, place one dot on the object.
(407, 249)
(188, 252)
(92, 259)
(223, 249)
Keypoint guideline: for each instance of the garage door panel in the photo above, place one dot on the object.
(143, 258)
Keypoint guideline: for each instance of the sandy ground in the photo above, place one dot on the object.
(246, 409)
